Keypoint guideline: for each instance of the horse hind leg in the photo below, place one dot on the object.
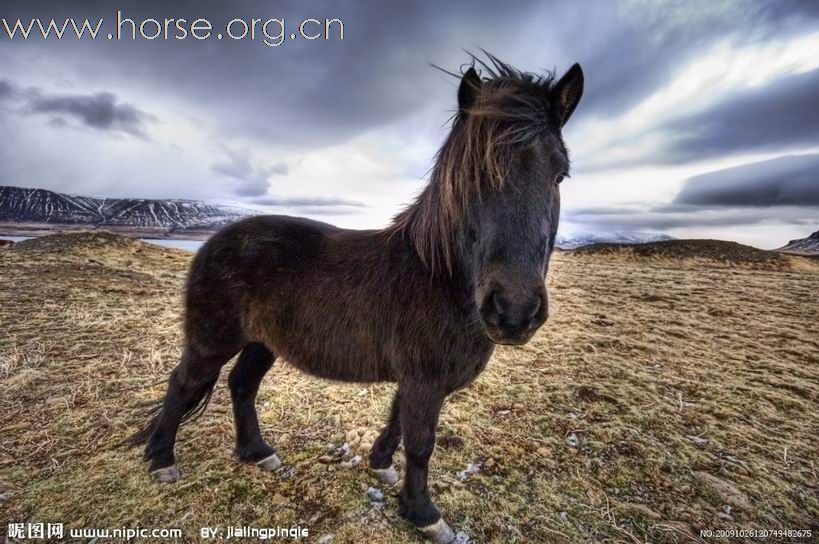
(244, 380)
(189, 390)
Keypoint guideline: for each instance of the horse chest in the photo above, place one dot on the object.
(469, 369)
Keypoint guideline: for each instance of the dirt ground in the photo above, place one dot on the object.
(667, 394)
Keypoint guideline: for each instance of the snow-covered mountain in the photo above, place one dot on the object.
(36, 208)
(584, 239)
(39, 206)
(803, 246)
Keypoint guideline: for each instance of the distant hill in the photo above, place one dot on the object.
(585, 239)
(700, 251)
(42, 211)
(803, 246)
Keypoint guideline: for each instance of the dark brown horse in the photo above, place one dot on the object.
(422, 302)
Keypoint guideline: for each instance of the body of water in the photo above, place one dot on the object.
(187, 245)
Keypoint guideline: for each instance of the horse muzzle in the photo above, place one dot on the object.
(513, 317)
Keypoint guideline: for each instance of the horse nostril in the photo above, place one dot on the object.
(498, 303)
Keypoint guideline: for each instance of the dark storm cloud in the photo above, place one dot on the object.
(785, 181)
(253, 179)
(101, 111)
(319, 92)
(663, 218)
(784, 190)
(302, 92)
(628, 51)
(323, 91)
(6, 89)
(782, 115)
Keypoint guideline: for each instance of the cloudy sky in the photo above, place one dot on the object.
(700, 119)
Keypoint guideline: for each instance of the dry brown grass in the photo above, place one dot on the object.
(664, 396)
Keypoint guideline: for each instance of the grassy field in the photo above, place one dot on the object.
(666, 395)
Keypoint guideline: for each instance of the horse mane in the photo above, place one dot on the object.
(510, 110)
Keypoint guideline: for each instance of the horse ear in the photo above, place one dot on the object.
(567, 92)
(468, 90)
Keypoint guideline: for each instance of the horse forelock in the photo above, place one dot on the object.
(511, 110)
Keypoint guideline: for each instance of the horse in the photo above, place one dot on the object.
(422, 302)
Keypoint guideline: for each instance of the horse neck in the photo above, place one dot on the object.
(426, 254)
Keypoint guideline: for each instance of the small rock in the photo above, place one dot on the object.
(375, 495)
(353, 462)
(344, 452)
(698, 440)
(728, 491)
(326, 539)
(326, 459)
(469, 471)
(572, 440)
(461, 538)
(564, 516)
(544, 451)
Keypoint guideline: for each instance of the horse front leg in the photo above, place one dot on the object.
(385, 445)
(420, 405)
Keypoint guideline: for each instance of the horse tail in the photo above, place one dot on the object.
(196, 407)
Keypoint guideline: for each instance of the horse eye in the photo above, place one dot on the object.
(560, 178)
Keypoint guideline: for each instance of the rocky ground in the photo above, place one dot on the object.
(669, 393)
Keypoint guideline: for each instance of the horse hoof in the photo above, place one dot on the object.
(387, 476)
(439, 532)
(270, 463)
(166, 474)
